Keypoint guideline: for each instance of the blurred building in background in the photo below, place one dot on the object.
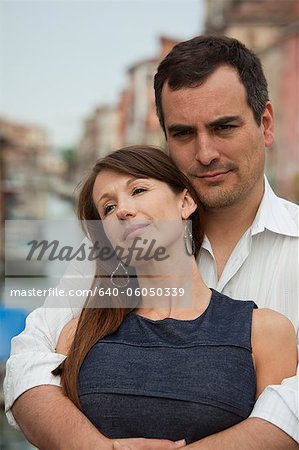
(257, 23)
(26, 169)
(100, 136)
(271, 29)
(142, 125)
(23, 149)
(133, 120)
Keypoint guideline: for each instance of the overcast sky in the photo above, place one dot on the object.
(59, 59)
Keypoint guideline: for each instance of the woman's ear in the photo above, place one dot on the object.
(188, 205)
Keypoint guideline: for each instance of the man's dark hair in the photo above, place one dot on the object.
(190, 63)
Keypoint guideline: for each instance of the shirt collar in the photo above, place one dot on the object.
(275, 214)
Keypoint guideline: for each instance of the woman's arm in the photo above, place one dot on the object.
(66, 337)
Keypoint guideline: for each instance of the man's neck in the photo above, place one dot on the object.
(225, 226)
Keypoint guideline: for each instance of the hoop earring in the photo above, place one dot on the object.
(126, 276)
(189, 241)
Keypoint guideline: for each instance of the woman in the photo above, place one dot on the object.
(180, 361)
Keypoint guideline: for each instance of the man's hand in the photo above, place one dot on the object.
(147, 444)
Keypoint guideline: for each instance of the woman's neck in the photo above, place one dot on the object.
(172, 290)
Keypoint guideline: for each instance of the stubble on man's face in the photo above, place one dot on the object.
(225, 194)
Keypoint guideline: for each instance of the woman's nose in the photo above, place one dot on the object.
(124, 213)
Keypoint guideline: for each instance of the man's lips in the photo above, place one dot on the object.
(131, 229)
(213, 176)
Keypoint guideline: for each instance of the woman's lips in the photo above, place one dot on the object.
(133, 230)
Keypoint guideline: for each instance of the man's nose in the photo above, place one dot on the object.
(205, 149)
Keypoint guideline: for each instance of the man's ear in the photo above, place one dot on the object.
(188, 205)
(267, 124)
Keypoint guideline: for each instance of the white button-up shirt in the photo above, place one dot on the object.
(263, 267)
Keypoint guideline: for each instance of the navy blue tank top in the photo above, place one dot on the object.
(172, 379)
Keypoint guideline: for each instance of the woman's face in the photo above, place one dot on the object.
(140, 210)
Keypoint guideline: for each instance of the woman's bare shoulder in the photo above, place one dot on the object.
(274, 348)
(66, 336)
(271, 324)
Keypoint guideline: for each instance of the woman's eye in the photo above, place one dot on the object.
(108, 209)
(138, 190)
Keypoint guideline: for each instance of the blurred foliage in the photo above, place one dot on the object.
(69, 156)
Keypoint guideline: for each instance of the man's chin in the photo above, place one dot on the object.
(217, 197)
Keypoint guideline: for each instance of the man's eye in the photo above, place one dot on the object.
(224, 127)
(182, 133)
(138, 190)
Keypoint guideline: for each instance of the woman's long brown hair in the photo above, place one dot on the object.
(96, 322)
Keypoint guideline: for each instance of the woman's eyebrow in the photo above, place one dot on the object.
(128, 182)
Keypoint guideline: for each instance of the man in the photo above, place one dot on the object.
(212, 103)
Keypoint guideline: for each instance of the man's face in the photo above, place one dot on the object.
(214, 139)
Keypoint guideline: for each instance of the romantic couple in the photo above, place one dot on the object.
(200, 370)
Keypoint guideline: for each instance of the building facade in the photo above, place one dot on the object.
(133, 120)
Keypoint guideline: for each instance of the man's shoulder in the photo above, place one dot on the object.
(280, 204)
(290, 208)
(280, 215)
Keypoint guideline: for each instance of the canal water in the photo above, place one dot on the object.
(11, 439)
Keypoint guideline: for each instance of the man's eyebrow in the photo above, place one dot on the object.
(225, 120)
(176, 127)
